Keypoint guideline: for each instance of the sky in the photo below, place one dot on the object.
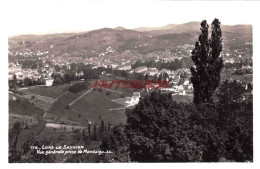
(59, 16)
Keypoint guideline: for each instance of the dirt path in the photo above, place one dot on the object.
(80, 97)
(61, 95)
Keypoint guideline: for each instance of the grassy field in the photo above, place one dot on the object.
(21, 110)
(39, 101)
(29, 135)
(48, 91)
(90, 107)
(21, 106)
(96, 104)
(58, 109)
(121, 90)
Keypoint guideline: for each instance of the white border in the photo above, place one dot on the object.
(250, 10)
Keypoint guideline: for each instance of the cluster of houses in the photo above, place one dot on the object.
(23, 73)
(28, 53)
(20, 73)
(178, 84)
(108, 50)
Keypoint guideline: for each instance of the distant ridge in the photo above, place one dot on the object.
(140, 40)
(120, 28)
(170, 28)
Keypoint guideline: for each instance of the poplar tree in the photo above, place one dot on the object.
(208, 63)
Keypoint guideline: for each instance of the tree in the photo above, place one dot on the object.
(230, 92)
(66, 78)
(14, 77)
(95, 132)
(249, 86)
(78, 87)
(102, 127)
(117, 142)
(235, 120)
(89, 128)
(84, 134)
(208, 63)
(57, 81)
(57, 68)
(146, 77)
(159, 130)
(27, 81)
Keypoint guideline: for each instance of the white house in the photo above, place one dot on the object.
(136, 94)
(180, 87)
(182, 92)
(49, 82)
(152, 71)
(80, 73)
(124, 67)
(186, 82)
(139, 69)
(132, 100)
(172, 75)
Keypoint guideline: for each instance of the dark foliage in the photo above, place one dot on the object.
(162, 130)
(208, 63)
(78, 87)
(116, 142)
(159, 129)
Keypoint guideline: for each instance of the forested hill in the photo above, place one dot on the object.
(141, 40)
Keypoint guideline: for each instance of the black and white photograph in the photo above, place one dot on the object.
(98, 81)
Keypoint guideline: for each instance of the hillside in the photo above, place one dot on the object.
(140, 40)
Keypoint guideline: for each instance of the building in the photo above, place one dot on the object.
(182, 92)
(136, 94)
(230, 61)
(114, 65)
(80, 73)
(19, 75)
(186, 82)
(172, 75)
(139, 69)
(132, 100)
(152, 71)
(124, 67)
(166, 71)
(49, 82)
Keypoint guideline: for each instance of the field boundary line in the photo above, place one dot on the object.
(80, 97)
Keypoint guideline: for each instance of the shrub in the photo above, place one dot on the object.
(78, 87)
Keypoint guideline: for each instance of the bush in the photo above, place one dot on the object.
(78, 87)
